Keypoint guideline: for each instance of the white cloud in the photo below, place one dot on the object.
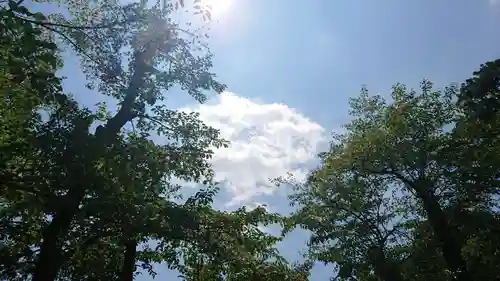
(267, 141)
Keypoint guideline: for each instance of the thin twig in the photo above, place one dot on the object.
(154, 120)
(78, 49)
(133, 126)
(47, 23)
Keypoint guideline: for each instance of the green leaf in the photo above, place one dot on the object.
(39, 16)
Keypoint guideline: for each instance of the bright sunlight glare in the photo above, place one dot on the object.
(218, 7)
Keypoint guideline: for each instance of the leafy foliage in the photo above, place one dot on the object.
(408, 192)
(83, 205)
(394, 199)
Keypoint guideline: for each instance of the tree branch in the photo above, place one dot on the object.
(75, 46)
(373, 228)
(154, 120)
(143, 65)
(53, 24)
(392, 172)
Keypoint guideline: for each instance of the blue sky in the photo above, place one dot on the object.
(313, 54)
(291, 66)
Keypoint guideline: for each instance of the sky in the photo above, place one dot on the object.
(291, 66)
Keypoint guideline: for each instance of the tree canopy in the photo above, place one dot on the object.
(407, 191)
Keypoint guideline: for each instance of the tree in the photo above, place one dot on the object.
(238, 250)
(28, 85)
(476, 148)
(28, 78)
(407, 146)
(476, 135)
(116, 182)
(86, 159)
(154, 40)
(355, 224)
(406, 142)
(479, 94)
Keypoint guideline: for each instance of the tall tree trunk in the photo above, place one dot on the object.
(446, 235)
(128, 269)
(385, 269)
(49, 260)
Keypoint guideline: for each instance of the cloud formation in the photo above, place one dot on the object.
(267, 141)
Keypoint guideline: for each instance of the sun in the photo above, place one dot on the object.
(218, 7)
